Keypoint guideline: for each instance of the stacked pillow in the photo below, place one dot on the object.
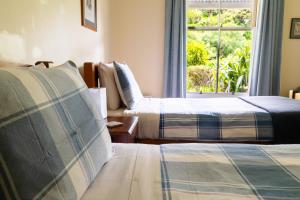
(120, 85)
(128, 88)
(107, 80)
(53, 141)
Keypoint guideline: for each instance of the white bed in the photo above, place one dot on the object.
(232, 110)
(241, 119)
(124, 177)
(199, 171)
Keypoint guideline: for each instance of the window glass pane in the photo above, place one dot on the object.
(201, 61)
(202, 44)
(235, 17)
(234, 61)
(197, 17)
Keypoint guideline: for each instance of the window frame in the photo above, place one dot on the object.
(220, 29)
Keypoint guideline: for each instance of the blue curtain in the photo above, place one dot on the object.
(266, 60)
(175, 49)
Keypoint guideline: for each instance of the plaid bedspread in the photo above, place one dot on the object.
(248, 126)
(233, 172)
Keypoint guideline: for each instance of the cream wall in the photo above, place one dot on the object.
(290, 68)
(128, 30)
(32, 30)
(137, 32)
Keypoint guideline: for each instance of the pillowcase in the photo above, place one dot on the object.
(53, 141)
(107, 80)
(128, 88)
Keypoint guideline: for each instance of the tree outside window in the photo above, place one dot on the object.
(219, 40)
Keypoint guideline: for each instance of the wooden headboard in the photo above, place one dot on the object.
(91, 75)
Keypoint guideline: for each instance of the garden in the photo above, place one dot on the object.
(205, 44)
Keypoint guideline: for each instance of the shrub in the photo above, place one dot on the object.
(196, 53)
(200, 79)
(234, 51)
(234, 71)
(194, 16)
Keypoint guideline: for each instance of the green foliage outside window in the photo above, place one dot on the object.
(196, 53)
(235, 51)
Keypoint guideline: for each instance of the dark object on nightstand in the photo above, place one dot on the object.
(125, 133)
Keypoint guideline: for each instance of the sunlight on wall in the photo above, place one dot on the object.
(37, 53)
(51, 30)
(138, 39)
(97, 52)
(44, 2)
(12, 47)
(62, 9)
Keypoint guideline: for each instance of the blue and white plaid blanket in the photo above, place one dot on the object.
(212, 120)
(235, 172)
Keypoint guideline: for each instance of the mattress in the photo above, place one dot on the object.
(199, 171)
(201, 119)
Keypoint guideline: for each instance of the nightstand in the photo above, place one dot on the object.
(127, 132)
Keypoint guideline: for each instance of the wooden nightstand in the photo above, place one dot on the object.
(125, 133)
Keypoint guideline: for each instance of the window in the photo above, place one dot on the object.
(219, 40)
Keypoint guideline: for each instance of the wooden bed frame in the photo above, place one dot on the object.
(91, 77)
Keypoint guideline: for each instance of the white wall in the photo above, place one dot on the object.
(290, 67)
(138, 38)
(34, 30)
(128, 30)
(137, 32)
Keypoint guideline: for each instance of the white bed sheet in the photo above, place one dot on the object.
(135, 173)
(132, 173)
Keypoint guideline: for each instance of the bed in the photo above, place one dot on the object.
(199, 171)
(242, 119)
(54, 144)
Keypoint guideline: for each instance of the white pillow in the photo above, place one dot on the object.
(107, 80)
(128, 88)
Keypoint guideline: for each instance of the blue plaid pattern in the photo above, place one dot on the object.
(206, 171)
(128, 88)
(217, 126)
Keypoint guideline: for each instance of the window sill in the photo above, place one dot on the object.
(215, 95)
